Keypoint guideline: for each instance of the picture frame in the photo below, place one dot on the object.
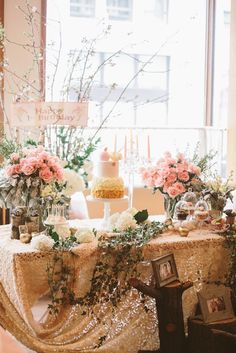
(215, 303)
(164, 269)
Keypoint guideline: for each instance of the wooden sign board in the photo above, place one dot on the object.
(41, 114)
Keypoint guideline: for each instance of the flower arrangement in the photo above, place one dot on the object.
(217, 192)
(171, 175)
(128, 219)
(27, 173)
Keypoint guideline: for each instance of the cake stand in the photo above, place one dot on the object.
(106, 209)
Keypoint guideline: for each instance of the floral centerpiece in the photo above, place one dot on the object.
(173, 176)
(216, 193)
(27, 173)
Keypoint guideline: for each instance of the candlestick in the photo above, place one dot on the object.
(148, 149)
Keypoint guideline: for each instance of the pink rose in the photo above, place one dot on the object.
(159, 182)
(192, 168)
(171, 178)
(59, 174)
(43, 155)
(183, 176)
(173, 192)
(179, 186)
(17, 168)
(46, 175)
(14, 157)
(166, 186)
(27, 169)
(10, 170)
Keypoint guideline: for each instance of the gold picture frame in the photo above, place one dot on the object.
(165, 270)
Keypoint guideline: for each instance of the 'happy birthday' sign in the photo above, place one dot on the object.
(41, 114)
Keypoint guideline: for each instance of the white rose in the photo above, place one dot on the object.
(74, 182)
(42, 242)
(113, 220)
(84, 236)
(133, 211)
(125, 221)
(62, 230)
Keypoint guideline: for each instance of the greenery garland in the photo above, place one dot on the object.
(118, 256)
(230, 243)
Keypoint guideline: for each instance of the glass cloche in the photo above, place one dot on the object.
(181, 210)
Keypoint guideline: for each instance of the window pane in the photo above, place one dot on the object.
(146, 71)
(221, 62)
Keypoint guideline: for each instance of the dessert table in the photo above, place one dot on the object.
(128, 328)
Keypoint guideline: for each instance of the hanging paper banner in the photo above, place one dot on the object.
(41, 114)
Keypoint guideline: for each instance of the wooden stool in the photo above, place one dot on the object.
(201, 336)
(169, 312)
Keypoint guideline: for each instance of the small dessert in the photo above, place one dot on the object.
(107, 184)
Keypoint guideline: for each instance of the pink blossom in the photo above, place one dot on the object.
(183, 176)
(46, 175)
(27, 168)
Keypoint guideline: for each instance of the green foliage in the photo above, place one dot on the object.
(117, 261)
(8, 146)
(230, 243)
(206, 162)
(141, 216)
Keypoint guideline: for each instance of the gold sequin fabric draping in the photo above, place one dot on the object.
(129, 327)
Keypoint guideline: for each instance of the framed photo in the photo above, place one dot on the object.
(215, 303)
(165, 270)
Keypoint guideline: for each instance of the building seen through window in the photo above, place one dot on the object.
(142, 63)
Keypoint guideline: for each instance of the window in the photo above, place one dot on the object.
(119, 9)
(82, 8)
(147, 74)
(157, 9)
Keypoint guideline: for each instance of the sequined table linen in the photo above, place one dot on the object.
(24, 281)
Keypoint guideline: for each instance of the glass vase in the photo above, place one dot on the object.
(169, 205)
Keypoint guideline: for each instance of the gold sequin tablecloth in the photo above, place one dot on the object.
(23, 281)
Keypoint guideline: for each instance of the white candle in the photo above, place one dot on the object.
(137, 147)
(125, 149)
(148, 149)
(131, 141)
(115, 144)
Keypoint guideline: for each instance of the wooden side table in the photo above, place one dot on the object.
(200, 335)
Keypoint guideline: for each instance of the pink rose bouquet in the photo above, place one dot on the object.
(27, 173)
(172, 176)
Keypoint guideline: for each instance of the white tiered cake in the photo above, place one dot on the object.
(107, 183)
